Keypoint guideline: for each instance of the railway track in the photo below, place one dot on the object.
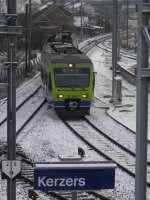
(27, 175)
(21, 104)
(105, 145)
(128, 141)
(27, 180)
(91, 44)
(24, 114)
(104, 43)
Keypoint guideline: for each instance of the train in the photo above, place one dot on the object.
(68, 76)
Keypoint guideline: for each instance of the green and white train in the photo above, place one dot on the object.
(68, 77)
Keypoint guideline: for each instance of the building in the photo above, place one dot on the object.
(48, 20)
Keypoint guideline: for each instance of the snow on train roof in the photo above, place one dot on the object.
(82, 58)
(66, 48)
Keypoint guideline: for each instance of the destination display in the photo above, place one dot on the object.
(71, 71)
(78, 176)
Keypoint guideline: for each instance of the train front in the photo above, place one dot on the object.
(73, 87)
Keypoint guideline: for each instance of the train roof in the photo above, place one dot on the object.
(61, 48)
(65, 58)
(61, 43)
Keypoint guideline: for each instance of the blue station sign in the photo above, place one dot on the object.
(75, 176)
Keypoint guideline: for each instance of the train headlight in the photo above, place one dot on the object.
(84, 95)
(71, 65)
(60, 96)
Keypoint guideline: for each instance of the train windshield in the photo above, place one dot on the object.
(72, 77)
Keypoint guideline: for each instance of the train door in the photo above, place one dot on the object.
(93, 86)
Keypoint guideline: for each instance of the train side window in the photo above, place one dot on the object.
(50, 82)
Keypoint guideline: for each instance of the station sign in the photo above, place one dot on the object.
(74, 176)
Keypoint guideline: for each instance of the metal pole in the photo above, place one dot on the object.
(11, 97)
(29, 65)
(73, 15)
(142, 105)
(118, 31)
(104, 17)
(114, 46)
(127, 23)
(99, 16)
(81, 21)
(74, 196)
(26, 61)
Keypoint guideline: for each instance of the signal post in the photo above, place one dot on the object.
(10, 167)
(143, 76)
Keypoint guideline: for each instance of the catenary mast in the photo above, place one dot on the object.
(143, 76)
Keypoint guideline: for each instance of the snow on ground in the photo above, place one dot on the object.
(126, 112)
(52, 139)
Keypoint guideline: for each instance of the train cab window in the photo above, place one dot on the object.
(72, 77)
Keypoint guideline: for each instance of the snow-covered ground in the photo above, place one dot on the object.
(52, 138)
(126, 112)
